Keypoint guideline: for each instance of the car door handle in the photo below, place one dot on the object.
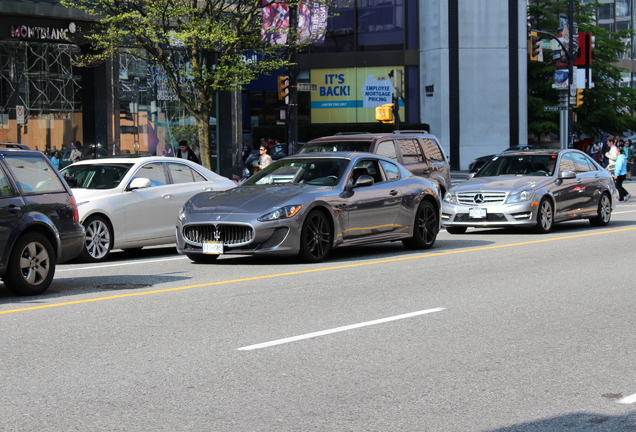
(13, 209)
(393, 192)
(166, 196)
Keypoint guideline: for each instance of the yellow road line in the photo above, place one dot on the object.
(316, 270)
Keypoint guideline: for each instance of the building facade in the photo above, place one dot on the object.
(458, 65)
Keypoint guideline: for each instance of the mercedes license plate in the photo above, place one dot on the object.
(477, 213)
(213, 248)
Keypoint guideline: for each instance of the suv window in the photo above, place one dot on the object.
(431, 147)
(387, 149)
(411, 151)
(359, 146)
(33, 175)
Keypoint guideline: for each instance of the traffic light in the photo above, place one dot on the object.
(534, 46)
(283, 87)
(384, 113)
(579, 97)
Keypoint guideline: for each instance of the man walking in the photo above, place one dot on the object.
(185, 152)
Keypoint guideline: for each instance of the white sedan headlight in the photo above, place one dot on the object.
(525, 195)
(450, 198)
(281, 213)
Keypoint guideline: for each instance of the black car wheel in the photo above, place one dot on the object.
(456, 230)
(604, 212)
(202, 258)
(545, 217)
(99, 240)
(31, 265)
(425, 227)
(315, 238)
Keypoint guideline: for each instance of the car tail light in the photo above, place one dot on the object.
(75, 211)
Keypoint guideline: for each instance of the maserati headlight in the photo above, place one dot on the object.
(525, 195)
(182, 213)
(281, 213)
(450, 198)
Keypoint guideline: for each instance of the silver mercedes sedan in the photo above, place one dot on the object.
(308, 204)
(532, 189)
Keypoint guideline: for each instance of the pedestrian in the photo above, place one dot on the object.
(620, 172)
(265, 159)
(55, 158)
(245, 151)
(629, 156)
(594, 150)
(185, 152)
(611, 154)
(76, 154)
(605, 148)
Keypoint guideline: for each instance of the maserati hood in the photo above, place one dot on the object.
(252, 199)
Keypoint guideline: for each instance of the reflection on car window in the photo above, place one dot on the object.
(391, 170)
(387, 149)
(34, 175)
(582, 163)
(567, 163)
(318, 172)
(432, 150)
(519, 165)
(411, 151)
(154, 172)
(5, 186)
(181, 173)
(331, 146)
(98, 176)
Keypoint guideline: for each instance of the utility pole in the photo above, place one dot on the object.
(571, 84)
(292, 73)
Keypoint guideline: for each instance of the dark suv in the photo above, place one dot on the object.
(417, 151)
(39, 222)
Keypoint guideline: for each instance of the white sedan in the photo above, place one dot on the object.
(129, 203)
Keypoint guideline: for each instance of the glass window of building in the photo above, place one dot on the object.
(40, 102)
(606, 11)
(381, 23)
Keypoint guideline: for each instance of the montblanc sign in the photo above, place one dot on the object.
(43, 33)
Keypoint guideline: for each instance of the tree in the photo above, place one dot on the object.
(203, 46)
(609, 105)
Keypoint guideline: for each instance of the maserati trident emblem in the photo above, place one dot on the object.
(217, 234)
(479, 198)
(218, 217)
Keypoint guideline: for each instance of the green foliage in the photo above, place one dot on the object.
(609, 105)
(203, 46)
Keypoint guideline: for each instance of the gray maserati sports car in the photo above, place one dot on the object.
(307, 204)
(532, 189)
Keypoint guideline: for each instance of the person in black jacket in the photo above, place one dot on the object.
(185, 152)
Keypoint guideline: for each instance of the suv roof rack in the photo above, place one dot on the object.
(410, 132)
(352, 133)
(15, 145)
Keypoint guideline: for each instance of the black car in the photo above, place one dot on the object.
(418, 151)
(39, 221)
(476, 164)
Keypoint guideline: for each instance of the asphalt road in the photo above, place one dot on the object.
(492, 330)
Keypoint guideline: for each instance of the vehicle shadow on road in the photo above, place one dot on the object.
(576, 422)
(109, 285)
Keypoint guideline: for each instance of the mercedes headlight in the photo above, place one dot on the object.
(281, 213)
(450, 198)
(525, 195)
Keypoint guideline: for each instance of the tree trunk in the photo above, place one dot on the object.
(204, 143)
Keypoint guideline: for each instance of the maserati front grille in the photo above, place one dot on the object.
(230, 235)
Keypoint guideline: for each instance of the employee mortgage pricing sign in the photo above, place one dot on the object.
(350, 95)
